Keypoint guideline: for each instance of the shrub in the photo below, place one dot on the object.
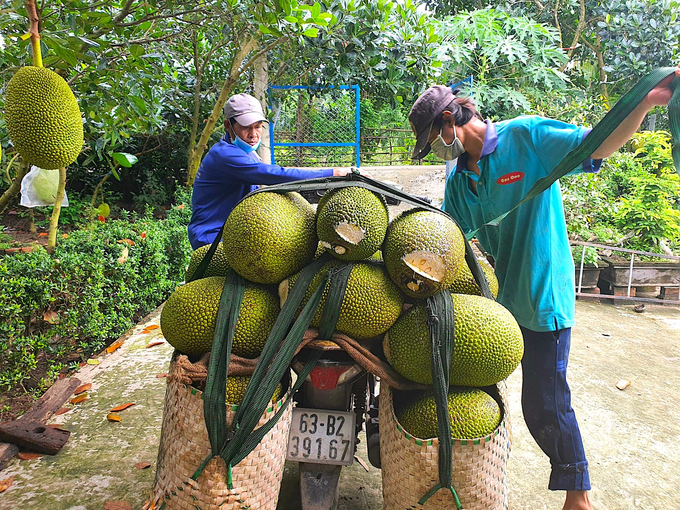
(97, 284)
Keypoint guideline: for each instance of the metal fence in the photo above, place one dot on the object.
(315, 126)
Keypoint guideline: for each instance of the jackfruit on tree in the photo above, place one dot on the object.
(270, 236)
(351, 222)
(43, 118)
(372, 302)
(423, 252)
(218, 265)
(473, 414)
(488, 344)
(189, 316)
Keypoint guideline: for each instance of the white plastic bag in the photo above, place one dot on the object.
(39, 188)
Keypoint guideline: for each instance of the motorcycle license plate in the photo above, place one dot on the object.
(322, 437)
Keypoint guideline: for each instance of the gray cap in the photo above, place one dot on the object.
(423, 112)
(244, 109)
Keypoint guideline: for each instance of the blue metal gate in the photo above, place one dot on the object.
(318, 126)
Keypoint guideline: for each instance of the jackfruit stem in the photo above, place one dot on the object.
(34, 30)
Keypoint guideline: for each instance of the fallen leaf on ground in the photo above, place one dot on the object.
(29, 455)
(51, 317)
(143, 235)
(143, 465)
(129, 242)
(124, 256)
(64, 236)
(42, 234)
(113, 417)
(154, 344)
(117, 505)
(180, 207)
(83, 388)
(56, 426)
(151, 327)
(80, 398)
(122, 407)
(6, 483)
(62, 411)
(362, 462)
(93, 361)
(160, 376)
(113, 347)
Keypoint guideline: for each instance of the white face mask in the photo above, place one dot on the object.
(444, 151)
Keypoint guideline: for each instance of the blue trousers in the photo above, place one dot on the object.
(546, 403)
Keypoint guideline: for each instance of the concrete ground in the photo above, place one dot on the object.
(630, 435)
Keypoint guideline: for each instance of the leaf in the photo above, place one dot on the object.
(160, 376)
(143, 235)
(93, 361)
(151, 327)
(29, 455)
(79, 399)
(117, 505)
(113, 417)
(42, 234)
(143, 465)
(154, 344)
(6, 484)
(82, 388)
(124, 256)
(129, 242)
(122, 407)
(56, 426)
(311, 32)
(64, 236)
(62, 411)
(101, 218)
(124, 159)
(114, 346)
(51, 316)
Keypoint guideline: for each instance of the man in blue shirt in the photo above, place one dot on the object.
(497, 164)
(232, 169)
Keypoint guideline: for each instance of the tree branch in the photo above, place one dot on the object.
(159, 16)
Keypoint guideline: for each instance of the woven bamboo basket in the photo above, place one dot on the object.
(410, 465)
(184, 445)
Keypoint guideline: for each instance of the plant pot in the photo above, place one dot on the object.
(591, 275)
(665, 273)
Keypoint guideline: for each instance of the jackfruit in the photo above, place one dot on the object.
(351, 222)
(218, 265)
(43, 118)
(46, 186)
(372, 302)
(465, 283)
(190, 313)
(236, 389)
(423, 252)
(270, 236)
(488, 344)
(473, 414)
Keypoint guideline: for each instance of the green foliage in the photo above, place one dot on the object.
(633, 201)
(589, 255)
(511, 58)
(89, 291)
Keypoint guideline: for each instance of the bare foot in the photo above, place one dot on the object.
(577, 500)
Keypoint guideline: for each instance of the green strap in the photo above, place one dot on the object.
(600, 133)
(442, 328)
(214, 401)
(205, 262)
(674, 120)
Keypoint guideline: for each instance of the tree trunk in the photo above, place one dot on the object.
(15, 187)
(260, 82)
(196, 154)
(54, 219)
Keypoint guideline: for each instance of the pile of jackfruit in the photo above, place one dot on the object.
(270, 237)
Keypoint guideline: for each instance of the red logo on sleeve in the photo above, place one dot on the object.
(510, 178)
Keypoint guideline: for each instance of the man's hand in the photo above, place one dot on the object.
(661, 94)
(340, 172)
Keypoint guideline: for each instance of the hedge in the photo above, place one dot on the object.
(96, 285)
